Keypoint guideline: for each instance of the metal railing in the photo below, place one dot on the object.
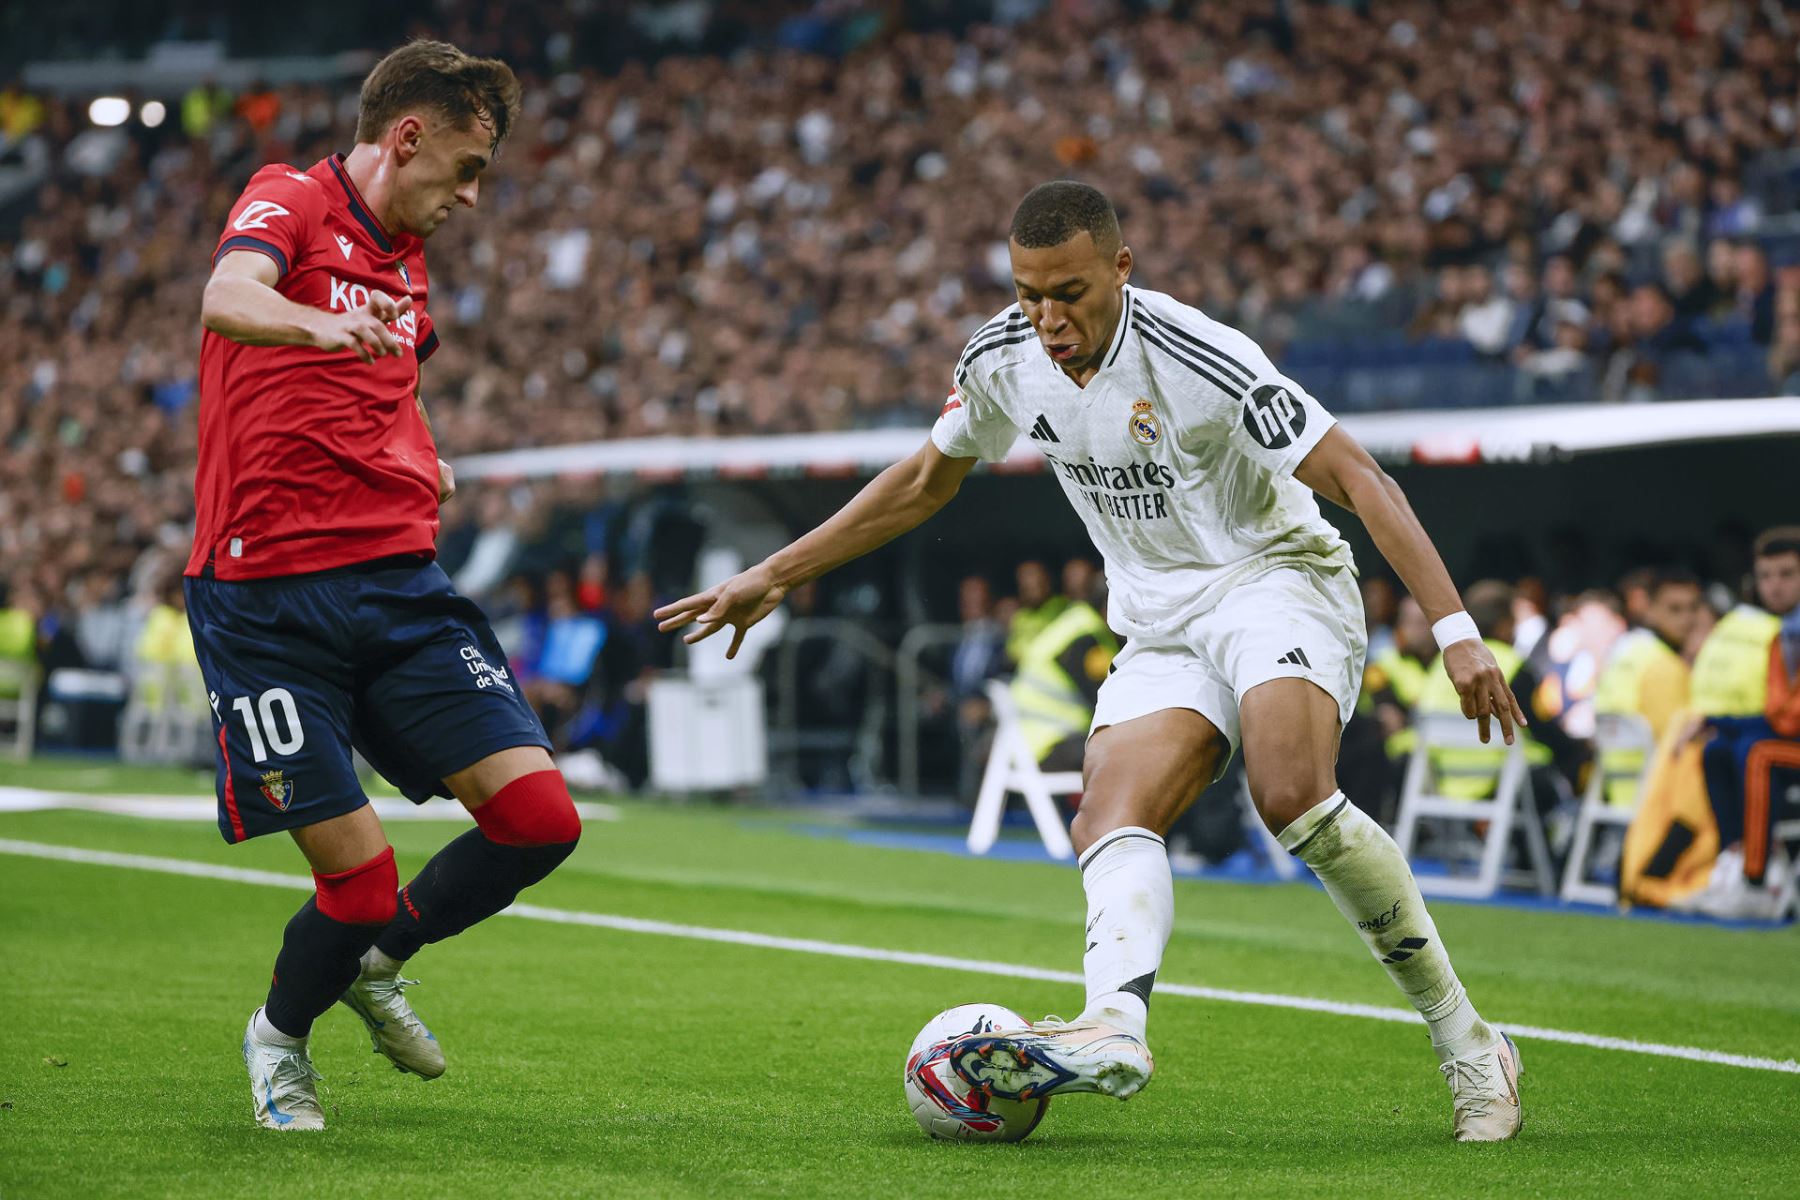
(909, 675)
(862, 743)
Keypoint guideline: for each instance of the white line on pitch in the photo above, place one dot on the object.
(739, 937)
(205, 808)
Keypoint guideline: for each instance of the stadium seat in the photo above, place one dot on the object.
(1011, 767)
(1613, 733)
(1490, 823)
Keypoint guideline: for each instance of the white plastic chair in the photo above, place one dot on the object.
(21, 677)
(1011, 767)
(1510, 805)
(1613, 733)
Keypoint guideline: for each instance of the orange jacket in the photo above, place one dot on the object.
(1782, 708)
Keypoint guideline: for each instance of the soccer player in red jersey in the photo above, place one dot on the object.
(321, 621)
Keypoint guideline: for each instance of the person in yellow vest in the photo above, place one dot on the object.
(1490, 604)
(1747, 686)
(1059, 677)
(1645, 675)
(1378, 737)
(1038, 606)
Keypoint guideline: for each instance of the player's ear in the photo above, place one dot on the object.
(1122, 263)
(409, 134)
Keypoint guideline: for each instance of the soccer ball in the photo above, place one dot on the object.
(943, 1103)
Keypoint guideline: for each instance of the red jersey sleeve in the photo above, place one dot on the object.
(277, 215)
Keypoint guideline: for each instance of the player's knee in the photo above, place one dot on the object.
(532, 810)
(363, 895)
(1285, 799)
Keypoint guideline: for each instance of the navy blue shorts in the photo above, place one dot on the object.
(384, 657)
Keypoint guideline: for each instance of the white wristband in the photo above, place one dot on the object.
(1457, 627)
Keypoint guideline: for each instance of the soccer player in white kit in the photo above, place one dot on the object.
(1193, 463)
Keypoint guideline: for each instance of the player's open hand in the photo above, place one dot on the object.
(1483, 688)
(364, 330)
(740, 602)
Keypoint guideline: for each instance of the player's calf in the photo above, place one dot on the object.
(522, 834)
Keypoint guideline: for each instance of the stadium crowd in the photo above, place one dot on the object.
(793, 226)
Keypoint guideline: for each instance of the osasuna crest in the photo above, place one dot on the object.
(1273, 417)
(1143, 424)
(277, 789)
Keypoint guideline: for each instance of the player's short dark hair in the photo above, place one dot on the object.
(1490, 604)
(438, 76)
(1052, 213)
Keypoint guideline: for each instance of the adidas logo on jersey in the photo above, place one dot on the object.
(1295, 657)
(1041, 432)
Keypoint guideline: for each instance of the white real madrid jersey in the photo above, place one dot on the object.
(1179, 453)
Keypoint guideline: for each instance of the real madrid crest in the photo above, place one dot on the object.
(1143, 425)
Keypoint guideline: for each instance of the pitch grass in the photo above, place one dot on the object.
(591, 1062)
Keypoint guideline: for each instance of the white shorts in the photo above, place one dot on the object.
(1295, 621)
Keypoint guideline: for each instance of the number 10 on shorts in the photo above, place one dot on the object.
(273, 723)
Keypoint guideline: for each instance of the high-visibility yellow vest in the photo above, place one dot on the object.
(1439, 696)
(18, 634)
(1405, 675)
(1621, 691)
(1731, 674)
(18, 645)
(164, 654)
(1027, 623)
(1051, 706)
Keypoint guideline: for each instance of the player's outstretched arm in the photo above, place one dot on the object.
(898, 499)
(1340, 470)
(241, 303)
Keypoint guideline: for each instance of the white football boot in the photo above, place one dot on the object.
(1484, 1092)
(281, 1080)
(1053, 1057)
(394, 1028)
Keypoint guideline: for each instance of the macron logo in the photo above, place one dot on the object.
(346, 245)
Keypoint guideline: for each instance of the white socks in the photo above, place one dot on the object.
(1368, 879)
(266, 1032)
(1131, 908)
(374, 962)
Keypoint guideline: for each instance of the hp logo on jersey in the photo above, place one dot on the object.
(1145, 429)
(1272, 417)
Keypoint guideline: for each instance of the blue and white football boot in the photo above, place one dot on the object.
(1051, 1058)
(281, 1080)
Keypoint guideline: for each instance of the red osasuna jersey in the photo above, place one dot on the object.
(312, 459)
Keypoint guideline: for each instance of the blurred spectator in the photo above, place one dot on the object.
(1690, 290)
(1378, 737)
(1038, 606)
(1645, 674)
(1058, 681)
(1755, 298)
(260, 107)
(1747, 683)
(20, 114)
(203, 107)
(1556, 759)
(1380, 600)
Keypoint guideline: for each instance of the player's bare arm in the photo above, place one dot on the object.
(241, 303)
(1340, 470)
(900, 498)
